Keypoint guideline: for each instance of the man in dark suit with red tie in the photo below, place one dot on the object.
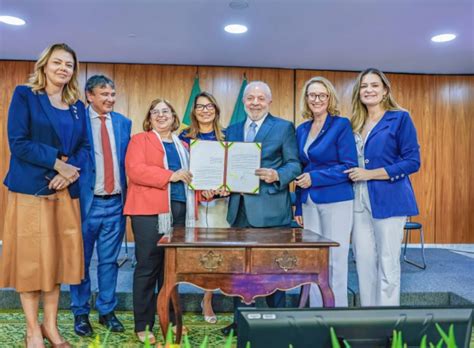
(103, 189)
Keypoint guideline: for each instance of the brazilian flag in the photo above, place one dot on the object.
(239, 114)
(194, 92)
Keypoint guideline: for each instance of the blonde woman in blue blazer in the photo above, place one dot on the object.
(42, 244)
(324, 194)
(388, 152)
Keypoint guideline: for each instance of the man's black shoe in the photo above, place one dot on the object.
(82, 325)
(226, 330)
(111, 322)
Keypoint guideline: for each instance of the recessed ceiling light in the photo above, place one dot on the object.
(443, 38)
(12, 20)
(238, 4)
(235, 28)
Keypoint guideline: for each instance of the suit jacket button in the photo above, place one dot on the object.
(92, 187)
(367, 161)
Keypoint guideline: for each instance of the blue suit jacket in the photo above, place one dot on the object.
(122, 127)
(33, 137)
(329, 155)
(393, 145)
(271, 207)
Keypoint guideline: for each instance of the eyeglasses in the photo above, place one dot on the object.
(313, 96)
(48, 197)
(208, 107)
(160, 113)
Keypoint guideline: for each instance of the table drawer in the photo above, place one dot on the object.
(210, 260)
(271, 260)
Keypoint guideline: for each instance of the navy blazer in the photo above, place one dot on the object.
(122, 128)
(393, 145)
(272, 206)
(33, 137)
(329, 155)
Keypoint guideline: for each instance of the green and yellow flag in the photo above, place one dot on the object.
(239, 114)
(194, 92)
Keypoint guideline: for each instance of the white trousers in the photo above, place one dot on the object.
(333, 221)
(213, 214)
(377, 245)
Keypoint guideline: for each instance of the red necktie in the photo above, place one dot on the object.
(108, 161)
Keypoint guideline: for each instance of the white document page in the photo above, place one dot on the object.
(207, 164)
(242, 161)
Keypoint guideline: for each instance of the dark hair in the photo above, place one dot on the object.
(98, 81)
(193, 129)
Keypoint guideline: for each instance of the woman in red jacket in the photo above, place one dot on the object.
(158, 198)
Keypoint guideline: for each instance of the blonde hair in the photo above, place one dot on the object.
(37, 80)
(333, 104)
(359, 110)
(193, 130)
(147, 121)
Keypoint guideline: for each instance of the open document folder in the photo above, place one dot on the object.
(225, 164)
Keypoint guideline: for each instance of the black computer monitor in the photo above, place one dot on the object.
(360, 327)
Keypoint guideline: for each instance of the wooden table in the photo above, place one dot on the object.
(248, 263)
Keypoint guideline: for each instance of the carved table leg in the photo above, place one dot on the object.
(323, 283)
(178, 314)
(304, 295)
(163, 307)
(168, 292)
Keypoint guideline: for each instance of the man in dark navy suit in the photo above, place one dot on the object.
(280, 165)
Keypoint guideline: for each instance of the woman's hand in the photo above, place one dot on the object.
(299, 220)
(59, 183)
(359, 174)
(303, 181)
(208, 194)
(66, 170)
(182, 175)
(223, 192)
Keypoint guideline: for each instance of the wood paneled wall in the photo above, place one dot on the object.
(441, 106)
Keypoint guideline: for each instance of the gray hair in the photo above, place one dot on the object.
(258, 84)
(98, 81)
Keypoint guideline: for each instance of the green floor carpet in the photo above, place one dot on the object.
(12, 328)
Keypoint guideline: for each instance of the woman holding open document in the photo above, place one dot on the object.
(324, 192)
(205, 125)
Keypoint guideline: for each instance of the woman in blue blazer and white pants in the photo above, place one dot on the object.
(388, 152)
(324, 193)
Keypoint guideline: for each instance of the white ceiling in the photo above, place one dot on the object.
(393, 35)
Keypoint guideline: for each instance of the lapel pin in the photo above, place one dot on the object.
(74, 111)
